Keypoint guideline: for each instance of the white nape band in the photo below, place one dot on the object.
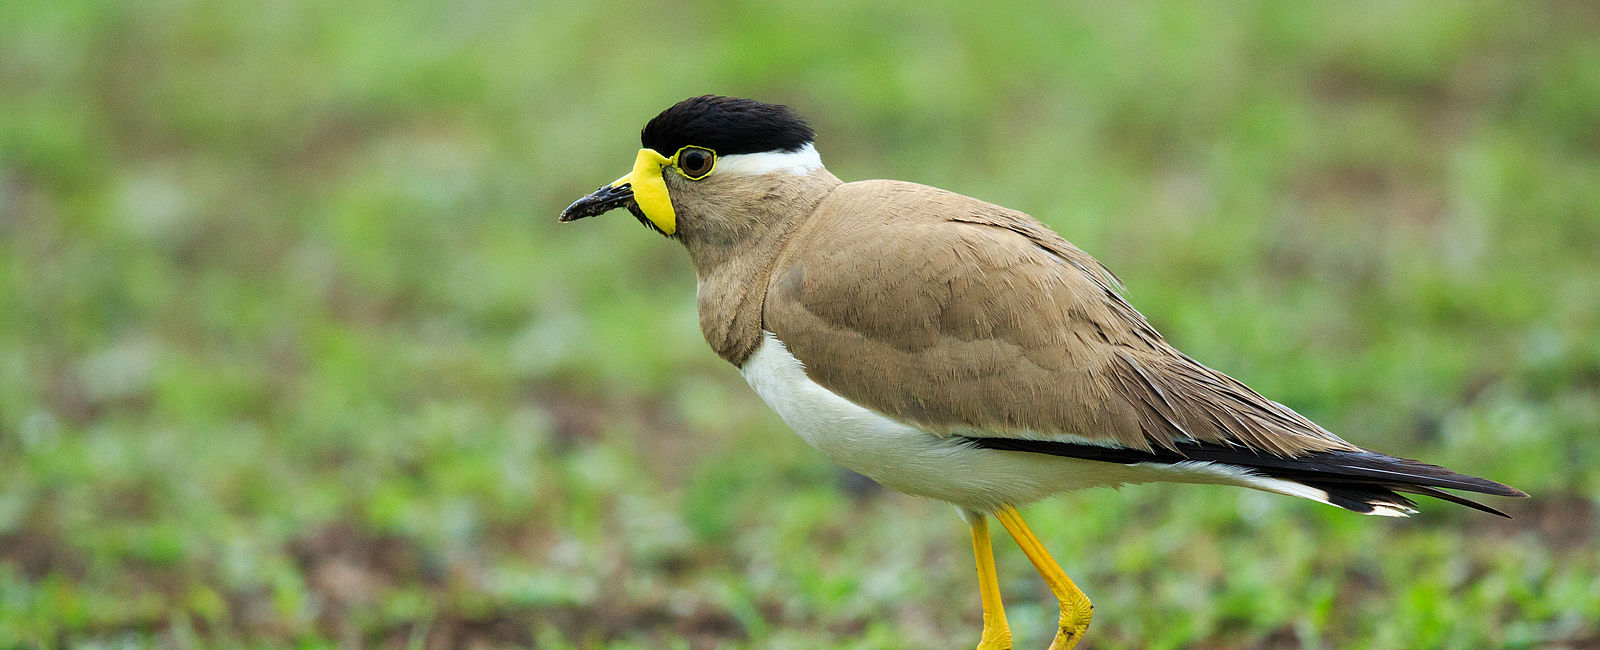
(799, 162)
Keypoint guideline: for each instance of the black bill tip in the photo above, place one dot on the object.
(598, 202)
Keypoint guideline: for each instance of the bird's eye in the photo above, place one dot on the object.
(695, 162)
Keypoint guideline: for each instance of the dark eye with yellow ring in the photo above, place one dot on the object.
(696, 163)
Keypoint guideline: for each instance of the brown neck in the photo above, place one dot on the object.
(734, 245)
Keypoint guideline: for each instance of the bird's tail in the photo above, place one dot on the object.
(1375, 484)
(1356, 480)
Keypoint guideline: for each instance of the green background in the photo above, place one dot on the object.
(293, 352)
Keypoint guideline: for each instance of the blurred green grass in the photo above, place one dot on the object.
(293, 353)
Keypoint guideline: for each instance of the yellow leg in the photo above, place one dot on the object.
(996, 634)
(1076, 610)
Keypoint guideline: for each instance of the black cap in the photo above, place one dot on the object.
(726, 125)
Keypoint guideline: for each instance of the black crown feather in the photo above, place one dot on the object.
(726, 125)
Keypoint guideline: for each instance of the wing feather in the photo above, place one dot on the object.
(957, 315)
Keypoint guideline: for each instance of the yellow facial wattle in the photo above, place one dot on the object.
(650, 191)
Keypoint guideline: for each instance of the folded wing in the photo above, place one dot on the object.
(961, 316)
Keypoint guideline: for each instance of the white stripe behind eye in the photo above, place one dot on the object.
(792, 162)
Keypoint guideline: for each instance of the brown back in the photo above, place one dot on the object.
(960, 316)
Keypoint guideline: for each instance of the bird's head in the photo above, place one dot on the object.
(706, 163)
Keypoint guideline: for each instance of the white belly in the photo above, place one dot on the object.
(907, 459)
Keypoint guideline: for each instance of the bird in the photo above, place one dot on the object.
(954, 349)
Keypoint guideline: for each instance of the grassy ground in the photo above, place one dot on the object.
(294, 354)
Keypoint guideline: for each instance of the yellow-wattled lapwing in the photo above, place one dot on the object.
(958, 350)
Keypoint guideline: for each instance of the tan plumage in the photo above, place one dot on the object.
(960, 315)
